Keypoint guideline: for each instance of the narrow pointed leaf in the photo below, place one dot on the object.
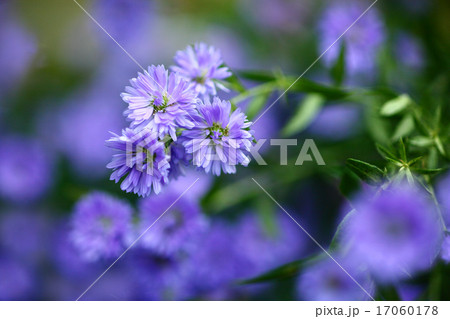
(367, 172)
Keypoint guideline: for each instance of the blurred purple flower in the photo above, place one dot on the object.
(160, 278)
(218, 262)
(24, 234)
(326, 281)
(142, 159)
(445, 250)
(202, 66)
(276, 15)
(160, 101)
(178, 228)
(362, 41)
(25, 169)
(99, 225)
(267, 249)
(408, 292)
(395, 232)
(409, 51)
(66, 257)
(124, 20)
(16, 280)
(220, 140)
(443, 191)
(17, 50)
(336, 122)
(83, 124)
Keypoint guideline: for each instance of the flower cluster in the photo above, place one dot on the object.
(174, 122)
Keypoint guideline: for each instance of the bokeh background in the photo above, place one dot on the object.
(60, 82)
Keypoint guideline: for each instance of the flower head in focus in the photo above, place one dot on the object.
(99, 225)
(160, 101)
(142, 159)
(396, 232)
(202, 66)
(326, 281)
(220, 140)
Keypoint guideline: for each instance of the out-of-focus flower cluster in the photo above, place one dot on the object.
(180, 253)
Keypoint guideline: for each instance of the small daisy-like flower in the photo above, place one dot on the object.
(220, 140)
(160, 101)
(99, 226)
(142, 159)
(202, 65)
(395, 233)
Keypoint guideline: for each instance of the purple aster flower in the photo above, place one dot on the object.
(16, 280)
(33, 229)
(202, 66)
(395, 232)
(326, 281)
(336, 122)
(160, 278)
(362, 41)
(220, 140)
(99, 226)
(160, 101)
(25, 169)
(142, 159)
(445, 250)
(178, 228)
(443, 191)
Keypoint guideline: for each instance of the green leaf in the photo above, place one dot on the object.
(402, 150)
(234, 83)
(396, 105)
(285, 271)
(421, 141)
(428, 171)
(256, 104)
(307, 86)
(257, 76)
(338, 69)
(338, 234)
(404, 128)
(386, 154)
(367, 172)
(349, 184)
(306, 112)
(439, 145)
